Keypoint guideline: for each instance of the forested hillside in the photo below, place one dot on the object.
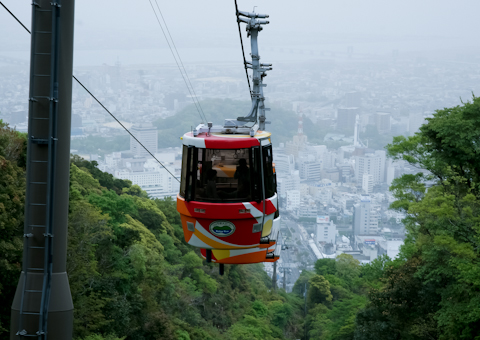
(133, 277)
(131, 274)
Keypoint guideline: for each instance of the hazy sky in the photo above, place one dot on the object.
(211, 23)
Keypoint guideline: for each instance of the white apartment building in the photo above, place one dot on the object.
(285, 184)
(310, 170)
(325, 230)
(284, 164)
(308, 208)
(367, 184)
(371, 164)
(365, 218)
(148, 136)
(329, 159)
(293, 200)
(157, 184)
(319, 151)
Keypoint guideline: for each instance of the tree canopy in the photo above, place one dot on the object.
(432, 290)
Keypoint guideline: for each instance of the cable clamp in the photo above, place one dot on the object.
(55, 4)
(28, 235)
(48, 235)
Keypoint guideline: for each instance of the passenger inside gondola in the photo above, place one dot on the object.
(242, 175)
(211, 185)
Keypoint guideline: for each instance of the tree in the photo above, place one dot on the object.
(12, 198)
(318, 291)
(325, 266)
(347, 267)
(403, 309)
(432, 290)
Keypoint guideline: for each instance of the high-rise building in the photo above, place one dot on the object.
(157, 184)
(352, 99)
(285, 184)
(345, 171)
(299, 142)
(310, 170)
(389, 172)
(293, 199)
(148, 136)
(346, 118)
(284, 164)
(326, 230)
(365, 219)
(382, 121)
(308, 208)
(367, 184)
(371, 164)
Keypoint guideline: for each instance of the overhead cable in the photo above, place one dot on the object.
(123, 126)
(243, 50)
(190, 90)
(181, 62)
(98, 101)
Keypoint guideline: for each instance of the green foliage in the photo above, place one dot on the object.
(302, 281)
(432, 290)
(12, 198)
(105, 179)
(374, 271)
(335, 295)
(318, 291)
(347, 267)
(101, 337)
(325, 266)
(403, 309)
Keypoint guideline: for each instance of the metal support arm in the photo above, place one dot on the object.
(254, 25)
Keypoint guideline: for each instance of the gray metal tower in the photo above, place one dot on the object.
(256, 114)
(254, 25)
(42, 307)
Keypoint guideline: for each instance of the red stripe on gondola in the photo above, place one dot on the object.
(220, 142)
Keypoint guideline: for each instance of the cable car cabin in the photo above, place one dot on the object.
(228, 198)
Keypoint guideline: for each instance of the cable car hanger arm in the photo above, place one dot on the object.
(256, 115)
(254, 26)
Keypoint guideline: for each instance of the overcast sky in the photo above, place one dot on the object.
(211, 23)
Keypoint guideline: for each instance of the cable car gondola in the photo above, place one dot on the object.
(228, 201)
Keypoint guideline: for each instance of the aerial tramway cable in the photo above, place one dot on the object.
(98, 101)
(243, 50)
(181, 62)
(90, 93)
(185, 77)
